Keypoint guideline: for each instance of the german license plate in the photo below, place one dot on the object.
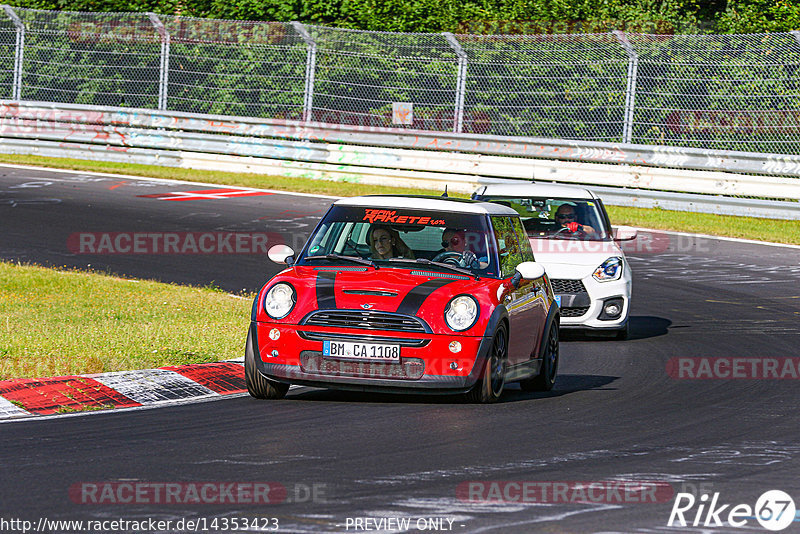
(558, 300)
(361, 351)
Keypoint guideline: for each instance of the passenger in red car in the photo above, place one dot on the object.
(384, 243)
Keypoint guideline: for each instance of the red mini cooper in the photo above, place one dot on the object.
(406, 294)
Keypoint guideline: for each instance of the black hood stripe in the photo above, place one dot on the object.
(412, 302)
(326, 298)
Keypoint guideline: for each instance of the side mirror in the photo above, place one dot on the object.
(625, 233)
(527, 270)
(281, 254)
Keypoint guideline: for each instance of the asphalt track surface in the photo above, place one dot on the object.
(615, 413)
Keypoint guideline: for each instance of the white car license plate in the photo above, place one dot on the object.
(558, 300)
(361, 351)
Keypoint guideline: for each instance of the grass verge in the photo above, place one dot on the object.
(774, 230)
(779, 231)
(264, 181)
(55, 323)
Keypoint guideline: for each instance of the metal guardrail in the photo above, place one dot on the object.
(67, 117)
(700, 204)
(720, 205)
(391, 157)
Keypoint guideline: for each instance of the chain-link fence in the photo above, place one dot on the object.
(729, 92)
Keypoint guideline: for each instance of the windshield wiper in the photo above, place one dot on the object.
(425, 261)
(354, 259)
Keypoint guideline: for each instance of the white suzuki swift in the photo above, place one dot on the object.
(571, 235)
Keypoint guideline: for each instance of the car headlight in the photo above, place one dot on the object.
(611, 269)
(461, 313)
(279, 300)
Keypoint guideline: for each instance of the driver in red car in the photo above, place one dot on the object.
(567, 220)
(455, 240)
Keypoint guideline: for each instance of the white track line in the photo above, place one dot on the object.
(312, 195)
(722, 238)
(166, 181)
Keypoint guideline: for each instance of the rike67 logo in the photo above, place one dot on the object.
(774, 510)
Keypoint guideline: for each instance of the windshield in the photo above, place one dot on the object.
(551, 218)
(403, 238)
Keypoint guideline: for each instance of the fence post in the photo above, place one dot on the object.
(630, 92)
(461, 82)
(163, 79)
(311, 68)
(16, 91)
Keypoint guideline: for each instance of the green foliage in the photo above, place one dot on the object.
(549, 16)
(480, 16)
(95, 63)
(748, 16)
(726, 92)
(734, 92)
(68, 322)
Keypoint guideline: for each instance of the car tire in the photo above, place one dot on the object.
(258, 385)
(489, 387)
(546, 378)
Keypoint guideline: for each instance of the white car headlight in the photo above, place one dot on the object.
(279, 300)
(611, 269)
(461, 313)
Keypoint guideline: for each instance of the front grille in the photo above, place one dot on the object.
(314, 363)
(562, 285)
(362, 338)
(574, 312)
(365, 320)
(573, 296)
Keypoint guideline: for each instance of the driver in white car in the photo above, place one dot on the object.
(567, 218)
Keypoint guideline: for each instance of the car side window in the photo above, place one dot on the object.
(507, 246)
(524, 243)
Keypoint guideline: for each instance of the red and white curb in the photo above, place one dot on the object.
(31, 397)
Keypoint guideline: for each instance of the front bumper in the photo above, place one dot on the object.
(591, 305)
(298, 359)
(610, 326)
